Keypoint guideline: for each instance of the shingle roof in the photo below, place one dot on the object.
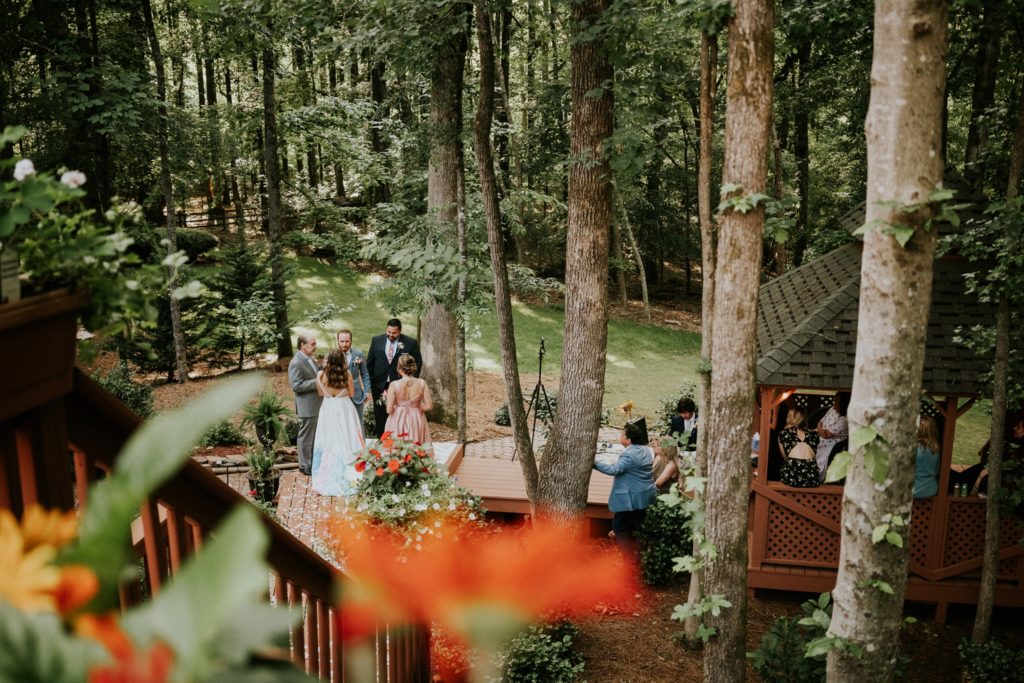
(807, 324)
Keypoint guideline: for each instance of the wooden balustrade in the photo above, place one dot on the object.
(93, 426)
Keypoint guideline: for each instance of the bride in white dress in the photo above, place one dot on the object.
(338, 436)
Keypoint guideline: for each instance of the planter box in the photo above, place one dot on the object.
(37, 350)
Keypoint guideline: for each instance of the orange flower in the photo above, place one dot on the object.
(380, 471)
(78, 584)
(508, 580)
(152, 666)
(374, 452)
(105, 629)
(361, 466)
(407, 458)
(48, 527)
(393, 465)
(386, 440)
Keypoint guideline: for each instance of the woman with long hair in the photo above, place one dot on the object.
(338, 435)
(408, 398)
(926, 460)
(798, 445)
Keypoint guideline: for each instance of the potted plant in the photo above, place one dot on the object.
(267, 418)
(264, 479)
(61, 261)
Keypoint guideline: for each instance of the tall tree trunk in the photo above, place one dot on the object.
(440, 326)
(565, 467)
(270, 157)
(236, 195)
(802, 152)
(381, 192)
(986, 64)
(997, 441)
(638, 258)
(904, 131)
(332, 79)
(501, 138)
(708, 247)
(619, 264)
(166, 188)
(734, 337)
(496, 245)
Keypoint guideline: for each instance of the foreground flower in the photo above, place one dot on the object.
(485, 596)
(627, 407)
(73, 178)
(28, 577)
(151, 666)
(23, 169)
(48, 527)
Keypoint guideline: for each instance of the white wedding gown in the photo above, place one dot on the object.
(338, 438)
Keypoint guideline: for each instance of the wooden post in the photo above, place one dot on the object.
(941, 508)
(759, 520)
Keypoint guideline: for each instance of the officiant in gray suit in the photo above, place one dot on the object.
(302, 372)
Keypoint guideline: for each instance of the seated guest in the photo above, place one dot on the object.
(665, 470)
(685, 420)
(832, 428)
(926, 461)
(797, 445)
(976, 476)
(633, 488)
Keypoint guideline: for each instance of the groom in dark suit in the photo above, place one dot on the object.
(382, 362)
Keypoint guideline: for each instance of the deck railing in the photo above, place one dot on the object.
(93, 426)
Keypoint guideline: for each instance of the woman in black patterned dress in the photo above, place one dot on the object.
(798, 445)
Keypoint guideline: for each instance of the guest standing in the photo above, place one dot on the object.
(382, 364)
(302, 373)
(633, 488)
(926, 459)
(832, 428)
(357, 369)
(408, 398)
(798, 444)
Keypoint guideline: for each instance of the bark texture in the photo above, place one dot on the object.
(904, 139)
(708, 244)
(166, 189)
(440, 327)
(273, 176)
(495, 242)
(569, 453)
(734, 337)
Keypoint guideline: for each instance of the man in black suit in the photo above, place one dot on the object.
(382, 362)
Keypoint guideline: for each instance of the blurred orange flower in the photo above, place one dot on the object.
(78, 584)
(507, 580)
(28, 576)
(105, 629)
(386, 440)
(393, 465)
(151, 666)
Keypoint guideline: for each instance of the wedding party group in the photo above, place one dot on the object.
(331, 395)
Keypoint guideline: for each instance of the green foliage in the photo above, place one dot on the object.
(37, 650)
(338, 244)
(663, 537)
(781, 657)
(266, 417)
(119, 382)
(195, 243)
(223, 434)
(545, 410)
(990, 662)
(260, 462)
(543, 654)
(501, 416)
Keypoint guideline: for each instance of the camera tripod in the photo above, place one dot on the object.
(539, 392)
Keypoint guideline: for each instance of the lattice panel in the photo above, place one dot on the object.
(929, 409)
(795, 538)
(810, 403)
(965, 535)
(920, 527)
(826, 505)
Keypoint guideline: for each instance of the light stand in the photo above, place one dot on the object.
(538, 392)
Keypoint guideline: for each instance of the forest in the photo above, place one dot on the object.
(603, 155)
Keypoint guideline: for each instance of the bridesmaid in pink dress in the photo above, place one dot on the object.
(408, 398)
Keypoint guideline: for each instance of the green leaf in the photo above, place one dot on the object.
(894, 538)
(150, 457)
(878, 533)
(728, 188)
(210, 613)
(941, 195)
(36, 648)
(884, 587)
(819, 647)
(862, 436)
(839, 467)
(902, 234)
(12, 134)
(876, 461)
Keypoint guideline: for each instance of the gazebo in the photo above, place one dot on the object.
(807, 331)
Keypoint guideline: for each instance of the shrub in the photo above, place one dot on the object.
(543, 654)
(546, 410)
(341, 245)
(223, 434)
(990, 661)
(291, 431)
(663, 537)
(138, 397)
(369, 418)
(195, 243)
(501, 416)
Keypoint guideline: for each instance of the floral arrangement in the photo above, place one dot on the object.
(393, 463)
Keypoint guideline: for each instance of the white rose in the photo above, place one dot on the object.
(24, 169)
(73, 178)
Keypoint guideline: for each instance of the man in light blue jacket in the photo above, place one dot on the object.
(357, 368)
(633, 488)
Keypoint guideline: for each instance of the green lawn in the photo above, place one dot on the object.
(645, 362)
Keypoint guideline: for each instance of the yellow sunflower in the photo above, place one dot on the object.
(27, 576)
